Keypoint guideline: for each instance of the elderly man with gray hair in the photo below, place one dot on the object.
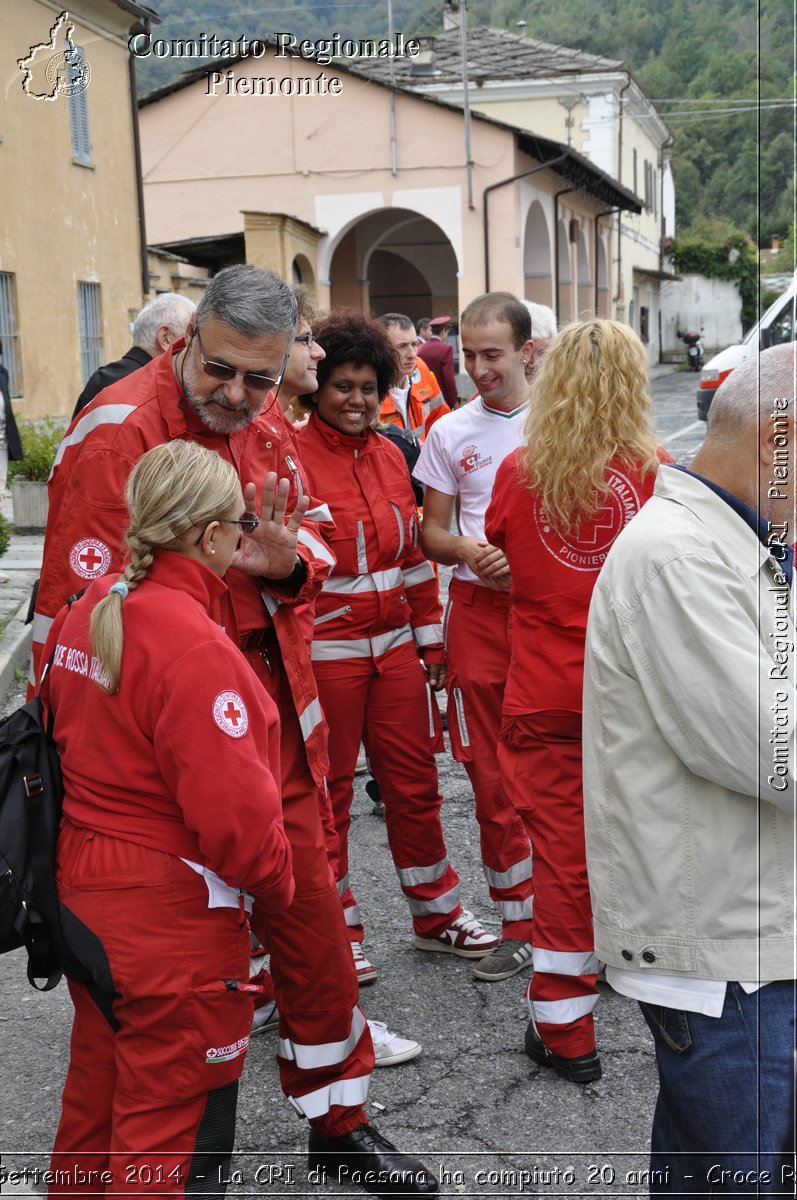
(543, 332)
(160, 322)
(689, 760)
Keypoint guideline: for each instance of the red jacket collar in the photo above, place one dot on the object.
(180, 571)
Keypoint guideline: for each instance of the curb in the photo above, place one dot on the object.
(15, 647)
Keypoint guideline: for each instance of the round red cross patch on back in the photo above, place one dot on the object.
(229, 713)
(89, 558)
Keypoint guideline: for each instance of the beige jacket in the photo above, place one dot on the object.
(688, 792)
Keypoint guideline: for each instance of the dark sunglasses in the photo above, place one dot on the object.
(223, 372)
(248, 523)
(306, 339)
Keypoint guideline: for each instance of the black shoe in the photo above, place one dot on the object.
(584, 1069)
(374, 792)
(365, 1158)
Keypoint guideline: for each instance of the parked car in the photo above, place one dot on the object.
(775, 327)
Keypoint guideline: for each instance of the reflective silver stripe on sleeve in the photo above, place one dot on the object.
(326, 1054)
(440, 904)
(418, 574)
(271, 602)
(516, 910)
(513, 875)
(316, 546)
(310, 718)
(342, 884)
(412, 876)
(345, 1093)
(428, 635)
(41, 627)
(561, 1012)
(362, 557)
(105, 414)
(566, 962)
(376, 581)
(400, 523)
(431, 704)
(319, 513)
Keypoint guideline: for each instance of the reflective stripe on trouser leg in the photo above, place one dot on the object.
(477, 644)
(393, 700)
(315, 984)
(540, 760)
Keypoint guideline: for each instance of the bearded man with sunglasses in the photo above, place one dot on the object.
(217, 387)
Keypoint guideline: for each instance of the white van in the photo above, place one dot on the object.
(776, 326)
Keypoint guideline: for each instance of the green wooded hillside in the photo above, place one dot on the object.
(706, 63)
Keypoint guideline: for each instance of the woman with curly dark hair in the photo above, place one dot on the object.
(378, 636)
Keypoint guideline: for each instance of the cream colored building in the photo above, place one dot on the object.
(592, 104)
(73, 266)
(362, 190)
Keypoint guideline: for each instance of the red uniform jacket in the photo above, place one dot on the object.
(439, 357)
(553, 576)
(425, 403)
(382, 591)
(88, 516)
(190, 729)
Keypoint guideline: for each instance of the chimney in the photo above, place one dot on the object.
(451, 15)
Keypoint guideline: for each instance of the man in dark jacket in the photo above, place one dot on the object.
(10, 444)
(438, 355)
(160, 322)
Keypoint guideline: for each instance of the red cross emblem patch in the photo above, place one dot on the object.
(229, 713)
(89, 558)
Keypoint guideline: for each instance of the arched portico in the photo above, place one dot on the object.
(394, 260)
(537, 259)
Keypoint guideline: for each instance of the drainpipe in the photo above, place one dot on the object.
(391, 69)
(662, 232)
(620, 180)
(463, 31)
(502, 183)
(563, 192)
(139, 28)
(609, 212)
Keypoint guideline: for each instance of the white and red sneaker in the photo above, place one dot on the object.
(464, 937)
(366, 972)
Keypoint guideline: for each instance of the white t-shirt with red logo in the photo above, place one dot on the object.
(460, 457)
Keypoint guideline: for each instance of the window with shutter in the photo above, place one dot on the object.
(9, 332)
(78, 111)
(90, 319)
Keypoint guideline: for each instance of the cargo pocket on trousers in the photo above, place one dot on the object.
(671, 1023)
(457, 721)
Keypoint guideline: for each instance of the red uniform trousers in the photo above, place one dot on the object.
(540, 759)
(141, 1100)
(477, 649)
(325, 1053)
(385, 700)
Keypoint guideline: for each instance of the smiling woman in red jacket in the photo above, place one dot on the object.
(588, 463)
(171, 826)
(378, 636)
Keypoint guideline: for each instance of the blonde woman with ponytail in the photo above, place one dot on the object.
(587, 464)
(171, 826)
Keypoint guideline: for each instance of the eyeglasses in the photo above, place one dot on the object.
(224, 372)
(248, 523)
(306, 339)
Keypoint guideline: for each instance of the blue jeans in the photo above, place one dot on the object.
(724, 1116)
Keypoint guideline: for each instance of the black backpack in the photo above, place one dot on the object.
(31, 793)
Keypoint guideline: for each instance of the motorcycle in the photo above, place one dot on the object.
(694, 349)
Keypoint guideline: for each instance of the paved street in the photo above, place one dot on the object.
(473, 1105)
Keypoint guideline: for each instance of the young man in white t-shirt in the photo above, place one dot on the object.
(457, 465)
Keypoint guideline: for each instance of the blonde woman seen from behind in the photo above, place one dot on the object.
(587, 464)
(171, 826)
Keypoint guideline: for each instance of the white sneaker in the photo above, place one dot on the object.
(464, 936)
(389, 1048)
(265, 1019)
(366, 971)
